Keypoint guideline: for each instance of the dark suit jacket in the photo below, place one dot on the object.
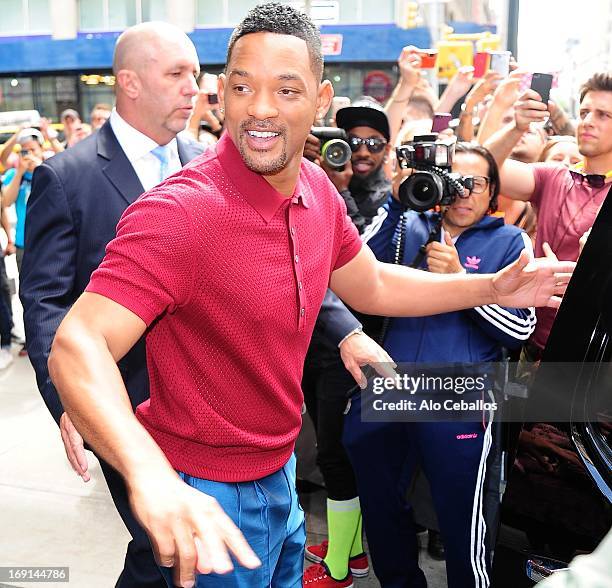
(77, 199)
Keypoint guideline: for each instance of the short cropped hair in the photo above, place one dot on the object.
(282, 20)
(599, 82)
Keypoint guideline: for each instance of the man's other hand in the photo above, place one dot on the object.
(74, 447)
(358, 350)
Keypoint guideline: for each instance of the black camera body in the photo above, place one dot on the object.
(432, 182)
(335, 150)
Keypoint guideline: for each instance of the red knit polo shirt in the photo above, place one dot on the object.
(229, 276)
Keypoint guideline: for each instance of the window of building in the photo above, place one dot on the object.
(223, 13)
(153, 10)
(116, 15)
(25, 16)
(372, 79)
(121, 14)
(211, 12)
(16, 94)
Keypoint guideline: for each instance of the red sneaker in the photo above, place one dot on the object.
(317, 576)
(358, 564)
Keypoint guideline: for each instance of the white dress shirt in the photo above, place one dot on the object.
(137, 147)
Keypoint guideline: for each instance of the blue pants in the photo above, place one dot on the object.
(268, 513)
(453, 457)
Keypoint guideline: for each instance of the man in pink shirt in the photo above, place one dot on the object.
(566, 201)
(224, 267)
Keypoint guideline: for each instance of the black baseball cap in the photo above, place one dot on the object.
(364, 112)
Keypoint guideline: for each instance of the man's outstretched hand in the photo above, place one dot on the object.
(533, 282)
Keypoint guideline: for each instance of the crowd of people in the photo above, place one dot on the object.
(193, 269)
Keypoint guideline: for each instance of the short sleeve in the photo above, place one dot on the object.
(348, 241)
(147, 267)
(543, 174)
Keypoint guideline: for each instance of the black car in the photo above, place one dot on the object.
(558, 498)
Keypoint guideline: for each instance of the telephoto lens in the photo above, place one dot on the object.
(421, 191)
(336, 153)
(335, 150)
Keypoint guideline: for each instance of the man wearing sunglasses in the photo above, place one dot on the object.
(362, 183)
(567, 201)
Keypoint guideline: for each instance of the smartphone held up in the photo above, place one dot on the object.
(542, 83)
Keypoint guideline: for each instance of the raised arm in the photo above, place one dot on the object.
(7, 149)
(187, 528)
(481, 89)
(504, 97)
(517, 179)
(10, 191)
(460, 83)
(409, 63)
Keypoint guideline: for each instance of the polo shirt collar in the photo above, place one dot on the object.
(255, 189)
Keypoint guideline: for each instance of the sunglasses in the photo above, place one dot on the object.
(373, 144)
(593, 180)
(475, 184)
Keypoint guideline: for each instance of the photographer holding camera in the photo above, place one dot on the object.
(361, 181)
(465, 239)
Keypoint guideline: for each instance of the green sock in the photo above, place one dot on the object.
(343, 519)
(357, 548)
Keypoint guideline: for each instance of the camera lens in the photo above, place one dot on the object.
(336, 152)
(421, 191)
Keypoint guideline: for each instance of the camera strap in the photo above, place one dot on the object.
(433, 236)
(416, 262)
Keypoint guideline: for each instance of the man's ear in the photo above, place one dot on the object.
(129, 82)
(221, 91)
(324, 98)
(388, 148)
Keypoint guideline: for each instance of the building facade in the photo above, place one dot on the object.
(58, 53)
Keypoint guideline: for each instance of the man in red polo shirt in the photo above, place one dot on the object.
(224, 266)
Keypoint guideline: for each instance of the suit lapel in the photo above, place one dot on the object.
(117, 167)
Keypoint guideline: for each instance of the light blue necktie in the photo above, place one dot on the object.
(162, 152)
